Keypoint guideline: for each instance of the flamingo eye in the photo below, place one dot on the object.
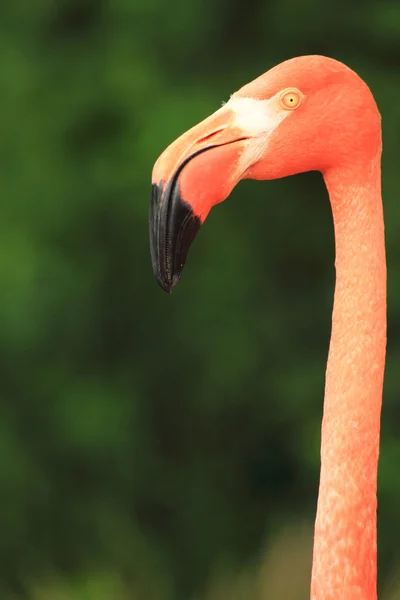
(290, 99)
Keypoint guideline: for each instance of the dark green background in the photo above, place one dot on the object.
(159, 441)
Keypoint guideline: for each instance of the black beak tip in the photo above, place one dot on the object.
(165, 285)
(165, 282)
(173, 227)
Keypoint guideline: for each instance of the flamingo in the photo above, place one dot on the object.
(309, 113)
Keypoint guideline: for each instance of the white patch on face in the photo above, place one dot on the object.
(257, 119)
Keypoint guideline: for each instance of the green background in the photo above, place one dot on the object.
(152, 446)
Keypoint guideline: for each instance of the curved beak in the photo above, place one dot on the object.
(195, 172)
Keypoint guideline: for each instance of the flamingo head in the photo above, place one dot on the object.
(306, 114)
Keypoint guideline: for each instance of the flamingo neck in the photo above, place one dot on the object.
(344, 561)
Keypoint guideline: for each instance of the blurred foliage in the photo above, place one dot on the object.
(151, 437)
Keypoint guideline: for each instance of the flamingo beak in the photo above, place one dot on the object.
(195, 172)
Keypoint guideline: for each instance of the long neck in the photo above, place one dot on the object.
(344, 562)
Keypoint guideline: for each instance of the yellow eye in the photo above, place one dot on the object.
(290, 99)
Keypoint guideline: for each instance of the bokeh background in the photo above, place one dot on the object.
(158, 447)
